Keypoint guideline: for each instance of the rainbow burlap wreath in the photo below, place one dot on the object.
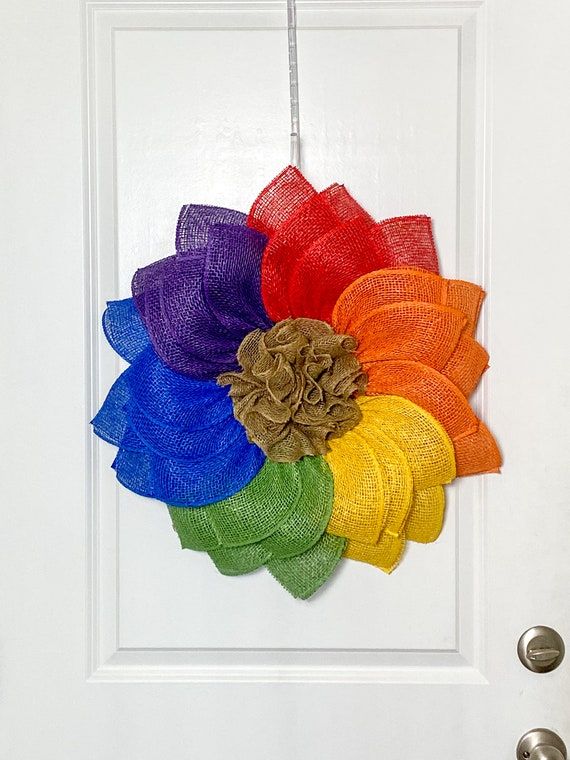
(298, 384)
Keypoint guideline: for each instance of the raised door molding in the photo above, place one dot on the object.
(108, 658)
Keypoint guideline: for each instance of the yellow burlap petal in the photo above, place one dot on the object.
(415, 456)
(397, 476)
(425, 520)
(423, 440)
(358, 503)
(397, 480)
(423, 525)
(385, 555)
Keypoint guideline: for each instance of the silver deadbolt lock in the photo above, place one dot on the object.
(541, 649)
(541, 744)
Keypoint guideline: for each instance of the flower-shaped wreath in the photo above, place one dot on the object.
(298, 384)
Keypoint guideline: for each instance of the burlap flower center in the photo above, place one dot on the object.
(296, 388)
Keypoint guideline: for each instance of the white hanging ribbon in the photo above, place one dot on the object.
(293, 84)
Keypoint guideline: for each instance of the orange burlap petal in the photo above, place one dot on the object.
(409, 330)
(386, 286)
(411, 457)
(428, 333)
(475, 448)
(466, 364)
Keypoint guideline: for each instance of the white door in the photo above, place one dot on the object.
(117, 645)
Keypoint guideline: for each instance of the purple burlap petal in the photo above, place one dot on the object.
(232, 284)
(194, 326)
(175, 356)
(198, 306)
(184, 331)
(194, 224)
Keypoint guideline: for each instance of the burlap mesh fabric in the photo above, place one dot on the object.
(296, 388)
(279, 200)
(302, 576)
(475, 448)
(390, 286)
(198, 305)
(328, 240)
(298, 384)
(281, 515)
(415, 339)
(177, 438)
(413, 456)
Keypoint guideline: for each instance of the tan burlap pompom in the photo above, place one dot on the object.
(297, 387)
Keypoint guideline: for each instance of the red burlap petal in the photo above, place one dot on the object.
(328, 267)
(311, 221)
(305, 266)
(281, 198)
(406, 241)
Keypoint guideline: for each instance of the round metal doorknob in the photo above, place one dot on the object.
(546, 752)
(541, 744)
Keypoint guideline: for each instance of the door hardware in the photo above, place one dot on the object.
(541, 649)
(541, 744)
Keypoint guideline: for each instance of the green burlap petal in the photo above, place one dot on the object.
(308, 520)
(239, 560)
(253, 513)
(304, 574)
(277, 520)
(298, 532)
(194, 528)
(248, 516)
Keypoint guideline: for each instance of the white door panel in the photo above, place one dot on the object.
(114, 643)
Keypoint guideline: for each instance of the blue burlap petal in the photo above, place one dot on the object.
(110, 423)
(174, 399)
(186, 483)
(168, 441)
(178, 439)
(124, 329)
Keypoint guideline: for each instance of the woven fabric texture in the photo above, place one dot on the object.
(177, 437)
(281, 515)
(124, 329)
(298, 384)
(388, 286)
(319, 243)
(296, 388)
(415, 334)
(411, 456)
(199, 304)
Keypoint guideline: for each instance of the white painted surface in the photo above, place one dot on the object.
(455, 109)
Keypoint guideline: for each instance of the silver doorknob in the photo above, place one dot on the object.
(541, 744)
(545, 752)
